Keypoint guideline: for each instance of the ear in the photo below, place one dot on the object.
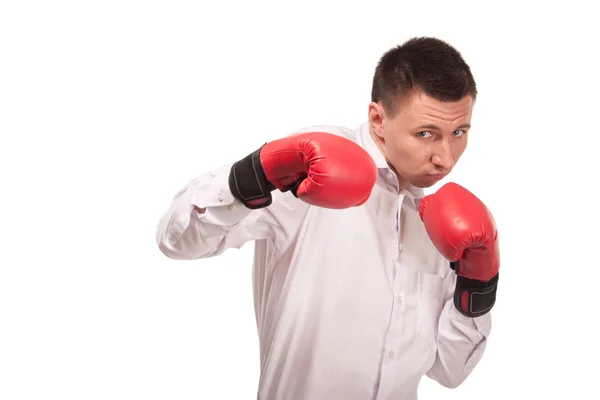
(376, 117)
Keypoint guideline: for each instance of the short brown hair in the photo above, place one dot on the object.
(421, 63)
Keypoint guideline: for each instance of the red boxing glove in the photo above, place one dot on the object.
(464, 231)
(319, 168)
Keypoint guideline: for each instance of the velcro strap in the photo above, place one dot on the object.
(475, 298)
(248, 182)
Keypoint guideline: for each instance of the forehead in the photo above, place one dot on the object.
(422, 106)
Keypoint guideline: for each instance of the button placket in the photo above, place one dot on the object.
(397, 302)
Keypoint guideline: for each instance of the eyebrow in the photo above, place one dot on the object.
(431, 126)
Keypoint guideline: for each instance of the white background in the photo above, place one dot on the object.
(108, 108)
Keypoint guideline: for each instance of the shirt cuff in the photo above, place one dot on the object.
(483, 323)
(215, 196)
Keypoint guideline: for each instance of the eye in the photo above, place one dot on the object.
(458, 133)
(423, 134)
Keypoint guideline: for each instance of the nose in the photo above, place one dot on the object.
(442, 156)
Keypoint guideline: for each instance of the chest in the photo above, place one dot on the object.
(385, 232)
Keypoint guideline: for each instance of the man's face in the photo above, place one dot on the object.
(424, 139)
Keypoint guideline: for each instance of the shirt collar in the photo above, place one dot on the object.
(364, 139)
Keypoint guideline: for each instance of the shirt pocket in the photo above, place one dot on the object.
(430, 296)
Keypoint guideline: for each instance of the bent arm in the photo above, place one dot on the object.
(461, 341)
(204, 219)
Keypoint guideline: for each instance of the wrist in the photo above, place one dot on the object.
(474, 298)
(248, 182)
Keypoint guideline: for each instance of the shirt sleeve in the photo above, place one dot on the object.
(461, 341)
(186, 233)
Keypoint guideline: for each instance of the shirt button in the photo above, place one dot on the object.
(399, 247)
(391, 354)
(398, 299)
(220, 197)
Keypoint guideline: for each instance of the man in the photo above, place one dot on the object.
(362, 284)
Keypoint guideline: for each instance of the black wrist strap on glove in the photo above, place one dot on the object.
(248, 183)
(474, 298)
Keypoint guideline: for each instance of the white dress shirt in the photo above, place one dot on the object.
(352, 304)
